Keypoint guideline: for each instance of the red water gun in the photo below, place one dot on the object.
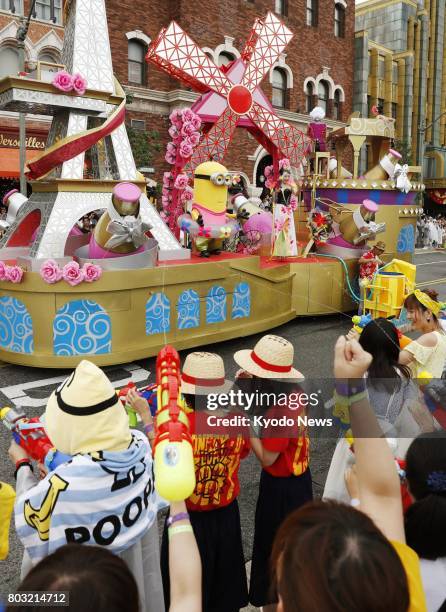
(30, 434)
(172, 448)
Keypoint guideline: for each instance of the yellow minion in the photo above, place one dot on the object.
(211, 182)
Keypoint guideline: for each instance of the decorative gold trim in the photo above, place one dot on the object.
(374, 5)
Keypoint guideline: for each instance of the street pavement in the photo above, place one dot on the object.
(313, 339)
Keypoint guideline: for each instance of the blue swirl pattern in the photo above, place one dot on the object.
(16, 326)
(157, 314)
(216, 305)
(81, 327)
(188, 307)
(241, 301)
(406, 239)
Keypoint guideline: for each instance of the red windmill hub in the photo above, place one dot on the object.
(232, 96)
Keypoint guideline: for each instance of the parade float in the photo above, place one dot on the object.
(142, 280)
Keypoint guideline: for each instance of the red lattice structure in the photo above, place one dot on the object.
(231, 96)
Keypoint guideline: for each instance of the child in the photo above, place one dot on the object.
(285, 482)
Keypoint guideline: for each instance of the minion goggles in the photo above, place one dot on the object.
(217, 178)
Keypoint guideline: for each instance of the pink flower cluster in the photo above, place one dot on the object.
(71, 273)
(13, 274)
(185, 134)
(66, 82)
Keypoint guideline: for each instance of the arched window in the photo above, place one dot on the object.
(9, 62)
(309, 93)
(48, 65)
(322, 94)
(225, 58)
(339, 21)
(312, 13)
(279, 88)
(337, 105)
(136, 61)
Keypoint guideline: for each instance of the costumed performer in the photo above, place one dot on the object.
(428, 352)
(285, 203)
(104, 495)
(209, 223)
(213, 507)
(317, 129)
(120, 231)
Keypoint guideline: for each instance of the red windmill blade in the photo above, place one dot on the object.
(232, 97)
(272, 39)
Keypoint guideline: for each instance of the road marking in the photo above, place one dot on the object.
(17, 393)
(430, 263)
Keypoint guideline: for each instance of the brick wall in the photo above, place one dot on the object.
(310, 50)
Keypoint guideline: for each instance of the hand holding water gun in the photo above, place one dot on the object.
(148, 393)
(30, 435)
(172, 449)
(360, 321)
(122, 394)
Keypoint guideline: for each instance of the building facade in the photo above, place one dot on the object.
(400, 63)
(317, 67)
(43, 49)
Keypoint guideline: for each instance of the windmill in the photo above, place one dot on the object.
(232, 97)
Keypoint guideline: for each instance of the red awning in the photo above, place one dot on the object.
(10, 161)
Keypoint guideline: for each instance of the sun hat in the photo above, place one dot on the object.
(380, 245)
(204, 373)
(85, 415)
(272, 357)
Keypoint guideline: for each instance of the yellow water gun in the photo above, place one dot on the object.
(7, 498)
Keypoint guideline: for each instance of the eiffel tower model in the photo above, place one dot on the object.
(83, 183)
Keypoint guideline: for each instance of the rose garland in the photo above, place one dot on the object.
(177, 193)
(12, 274)
(66, 82)
(320, 226)
(71, 273)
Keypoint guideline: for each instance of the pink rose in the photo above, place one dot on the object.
(2, 271)
(181, 181)
(196, 122)
(187, 195)
(164, 201)
(170, 159)
(72, 273)
(284, 164)
(14, 274)
(50, 272)
(185, 150)
(79, 84)
(171, 148)
(173, 131)
(193, 139)
(187, 130)
(164, 216)
(188, 115)
(268, 171)
(91, 272)
(176, 117)
(63, 81)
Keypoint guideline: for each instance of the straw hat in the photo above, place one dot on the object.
(380, 246)
(204, 373)
(84, 414)
(272, 357)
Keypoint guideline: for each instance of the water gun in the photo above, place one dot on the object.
(30, 434)
(7, 498)
(122, 394)
(172, 447)
(149, 393)
(360, 321)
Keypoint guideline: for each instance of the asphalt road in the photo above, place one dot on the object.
(313, 339)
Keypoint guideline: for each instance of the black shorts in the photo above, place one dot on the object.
(219, 538)
(278, 497)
